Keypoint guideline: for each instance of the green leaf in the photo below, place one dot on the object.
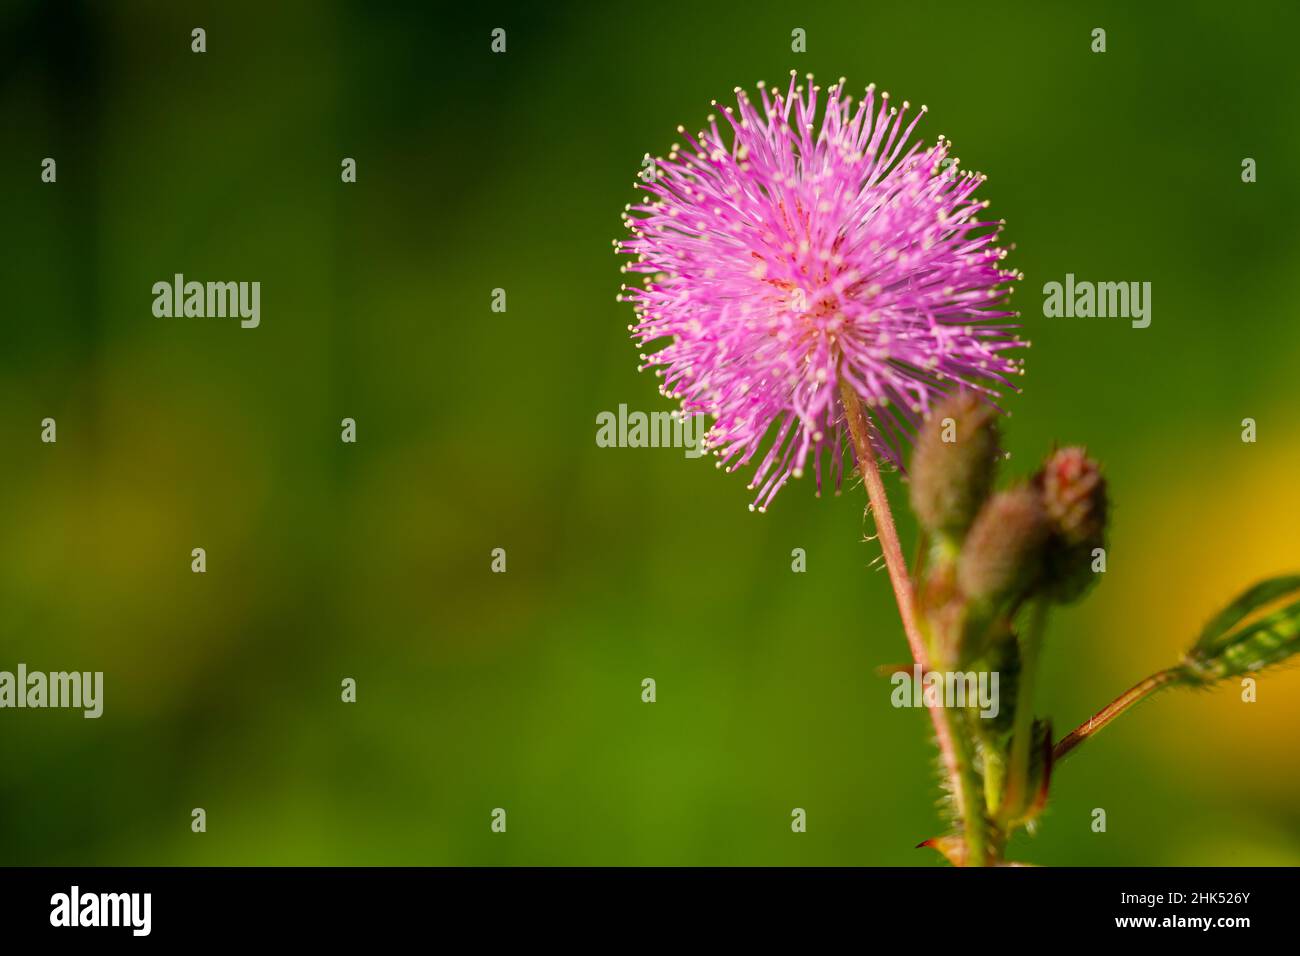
(1242, 640)
(1265, 592)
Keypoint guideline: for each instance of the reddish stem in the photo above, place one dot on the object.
(889, 544)
(885, 530)
(1123, 702)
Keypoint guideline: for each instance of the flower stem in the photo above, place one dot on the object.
(1022, 728)
(957, 762)
(884, 518)
(1138, 692)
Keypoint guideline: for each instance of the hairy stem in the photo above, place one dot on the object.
(1138, 692)
(956, 757)
(884, 518)
(966, 785)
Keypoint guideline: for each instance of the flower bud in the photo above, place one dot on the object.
(1074, 496)
(1003, 553)
(954, 463)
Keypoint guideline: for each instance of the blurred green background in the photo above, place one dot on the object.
(476, 431)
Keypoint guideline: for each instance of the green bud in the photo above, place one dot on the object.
(954, 464)
(1003, 553)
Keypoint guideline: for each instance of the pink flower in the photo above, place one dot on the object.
(797, 258)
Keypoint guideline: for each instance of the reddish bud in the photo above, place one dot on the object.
(1074, 494)
(1074, 497)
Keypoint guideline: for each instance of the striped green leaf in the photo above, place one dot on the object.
(1246, 636)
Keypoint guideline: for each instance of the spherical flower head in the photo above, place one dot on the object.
(793, 256)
